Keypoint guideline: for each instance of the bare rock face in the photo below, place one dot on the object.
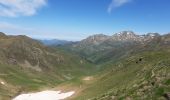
(125, 36)
(131, 36)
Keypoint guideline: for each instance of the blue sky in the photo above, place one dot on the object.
(77, 19)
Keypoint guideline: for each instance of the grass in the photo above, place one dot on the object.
(19, 79)
(125, 78)
(159, 91)
(120, 81)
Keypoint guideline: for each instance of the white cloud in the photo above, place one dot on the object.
(14, 8)
(117, 3)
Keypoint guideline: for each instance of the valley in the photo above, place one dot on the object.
(124, 66)
(84, 50)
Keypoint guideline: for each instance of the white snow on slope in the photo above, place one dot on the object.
(45, 95)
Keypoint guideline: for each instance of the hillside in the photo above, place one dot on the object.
(101, 48)
(135, 69)
(124, 66)
(27, 65)
(140, 76)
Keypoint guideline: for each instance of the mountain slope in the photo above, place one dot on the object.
(129, 66)
(141, 75)
(147, 80)
(26, 65)
(101, 48)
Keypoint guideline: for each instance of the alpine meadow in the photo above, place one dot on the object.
(84, 50)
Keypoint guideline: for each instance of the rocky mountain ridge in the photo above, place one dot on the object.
(100, 44)
(124, 36)
(126, 66)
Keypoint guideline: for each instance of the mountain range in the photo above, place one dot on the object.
(55, 42)
(98, 47)
(130, 66)
(124, 66)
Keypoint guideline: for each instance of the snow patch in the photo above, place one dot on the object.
(3, 83)
(45, 95)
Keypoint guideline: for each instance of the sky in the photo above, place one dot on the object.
(77, 19)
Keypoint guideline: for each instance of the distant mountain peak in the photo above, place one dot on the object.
(125, 33)
(96, 39)
(125, 36)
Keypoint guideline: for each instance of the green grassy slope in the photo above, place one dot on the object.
(27, 65)
(18, 80)
(125, 71)
(130, 78)
(132, 72)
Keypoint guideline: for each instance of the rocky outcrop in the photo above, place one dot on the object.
(124, 36)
